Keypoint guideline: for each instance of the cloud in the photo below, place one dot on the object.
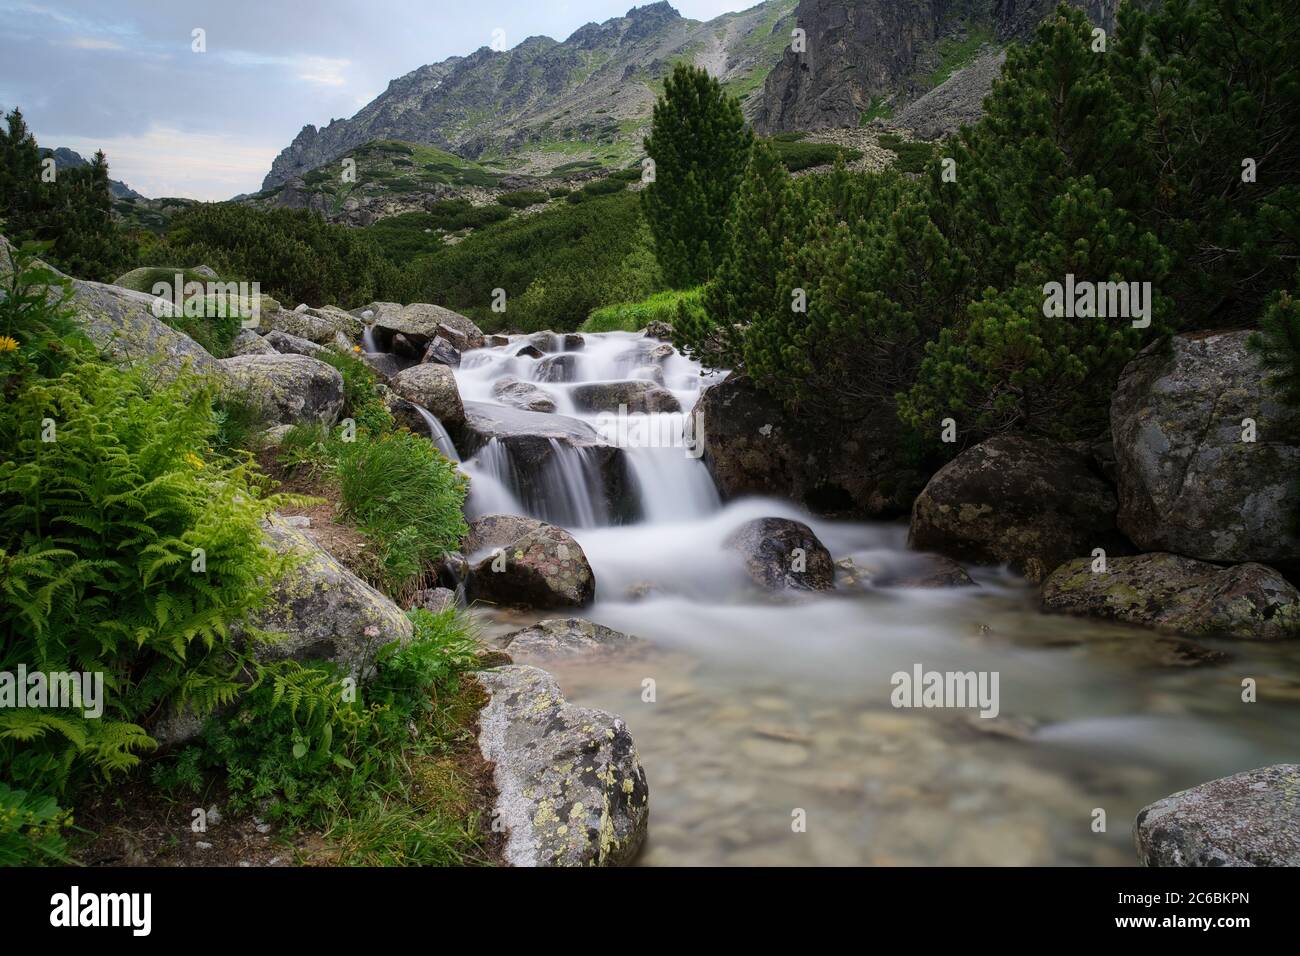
(93, 43)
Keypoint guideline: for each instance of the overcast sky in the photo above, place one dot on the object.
(121, 75)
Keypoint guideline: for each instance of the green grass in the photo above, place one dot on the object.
(957, 54)
(879, 109)
(634, 316)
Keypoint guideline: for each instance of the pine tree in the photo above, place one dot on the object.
(700, 145)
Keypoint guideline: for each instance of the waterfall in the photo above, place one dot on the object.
(437, 433)
(491, 480)
(368, 342)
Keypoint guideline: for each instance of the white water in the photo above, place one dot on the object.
(763, 705)
(437, 434)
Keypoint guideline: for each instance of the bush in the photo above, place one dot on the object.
(521, 198)
(912, 155)
(361, 399)
(31, 829)
(38, 334)
(796, 155)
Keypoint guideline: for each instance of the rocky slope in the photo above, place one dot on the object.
(547, 103)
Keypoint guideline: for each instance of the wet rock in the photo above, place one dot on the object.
(649, 373)
(286, 344)
(1026, 502)
(573, 342)
(496, 341)
(543, 342)
(497, 531)
(635, 396)
(658, 330)
(1247, 819)
(543, 567)
(779, 553)
(571, 789)
(420, 322)
(753, 447)
(558, 368)
(442, 352)
(1188, 483)
(291, 389)
(434, 387)
(1180, 595)
(434, 600)
(923, 571)
(248, 342)
(523, 395)
(324, 611)
(529, 351)
(385, 365)
(571, 637)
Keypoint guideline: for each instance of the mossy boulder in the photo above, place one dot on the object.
(291, 389)
(571, 790)
(322, 326)
(420, 322)
(522, 562)
(1180, 595)
(1247, 819)
(1027, 502)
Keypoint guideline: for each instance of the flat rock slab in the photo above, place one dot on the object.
(567, 638)
(1248, 819)
(570, 786)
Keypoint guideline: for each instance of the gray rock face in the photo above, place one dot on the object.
(543, 567)
(434, 600)
(324, 611)
(1188, 483)
(385, 365)
(1172, 593)
(442, 352)
(570, 785)
(956, 102)
(1248, 819)
(434, 387)
(635, 396)
(523, 395)
(561, 638)
(420, 322)
(292, 389)
(1027, 502)
(752, 447)
(781, 554)
(286, 344)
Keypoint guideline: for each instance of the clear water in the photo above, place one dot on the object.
(763, 708)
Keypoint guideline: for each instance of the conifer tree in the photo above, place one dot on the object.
(700, 145)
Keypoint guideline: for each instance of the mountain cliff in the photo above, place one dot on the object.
(544, 103)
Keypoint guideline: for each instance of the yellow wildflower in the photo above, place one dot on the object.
(8, 344)
(194, 460)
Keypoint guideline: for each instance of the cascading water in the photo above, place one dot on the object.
(437, 434)
(767, 705)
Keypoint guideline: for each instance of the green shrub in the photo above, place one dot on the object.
(38, 333)
(361, 399)
(912, 156)
(796, 155)
(31, 829)
(558, 192)
(454, 215)
(521, 198)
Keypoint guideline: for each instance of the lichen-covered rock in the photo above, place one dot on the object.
(441, 351)
(434, 600)
(248, 342)
(123, 326)
(1026, 502)
(291, 389)
(386, 365)
(419, 322)
(542, 568)
(658, 329)
(523, 395)
(570, 786)
(1181, 595)
(497, 531)
(639, 396)
(779, 553)
(1248, 819)
(314, 325)
(434, 387)
(324, 611)
(570, 637)
(287, 344)
(1188, 482)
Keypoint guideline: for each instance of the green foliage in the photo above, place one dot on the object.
(100, 529)
(634, 316)
(38, 334)
(597, 187)
(522, 198)
(555, 266)
(913, 156)
(302, 751)
(1278, 342)
(31, 829)
(700, 146)
(73, 213)
(796, 155)
(361, 399)
(293, 253)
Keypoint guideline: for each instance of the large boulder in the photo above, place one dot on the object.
(528, 564)
(634, 396)
(122, 324)
(781, 554)
(523, 395)
(570, 787)
(291, 389)
(434, 387)
(248, 342)
(558, 368)
(419, 323)
(1182, 595)
(324, 611)
(315, 325)
(564, 638)
(287, 344)
(1027, 502)
(443, 352)
(1188, 482)
(535, 441)
(385, 365)
(1248, 819)
(753, 447)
